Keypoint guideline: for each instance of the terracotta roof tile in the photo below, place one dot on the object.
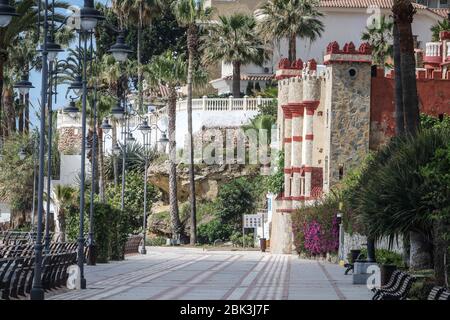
(383, 4)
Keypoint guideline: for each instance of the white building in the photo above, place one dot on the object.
(344, 21)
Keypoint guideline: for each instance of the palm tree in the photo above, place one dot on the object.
(62, 196)
(278, 19)
(404, 12)
(392, 194)
(443, 25)
(379, 36)
(232, 40)
(140, 13)
(188, 14)
(25, 21)
(168, 69)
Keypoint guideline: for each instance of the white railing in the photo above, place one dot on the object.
(225, 104)
(448, 49)
(433, 49)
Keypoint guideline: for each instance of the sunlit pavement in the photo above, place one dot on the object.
(188, 273)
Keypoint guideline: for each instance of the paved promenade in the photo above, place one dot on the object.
(188, 273)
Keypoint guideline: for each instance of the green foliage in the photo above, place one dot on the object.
(379, 35)
(16, 175)
(279, 19)
(270, 109)
(421, 289)
(133, 199)
(156, 242)
(213, 230)
(235, 199)
(388, 194)
(384, 256)
(430, 122)
(111, 229)
(405, 187)
(238, 240)
(322, 215)
(275, 182)
(233, 40)
(443, 25)
(163, 33)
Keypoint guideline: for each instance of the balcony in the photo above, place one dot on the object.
(225, 104)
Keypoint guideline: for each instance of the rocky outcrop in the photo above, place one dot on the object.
(208, 178)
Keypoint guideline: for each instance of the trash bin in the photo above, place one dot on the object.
(262, 244)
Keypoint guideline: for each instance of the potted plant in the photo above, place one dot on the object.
(388, 262)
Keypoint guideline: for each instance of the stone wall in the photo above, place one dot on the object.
(348, 100)
(69, 142)
(281, 238)
(358, 241)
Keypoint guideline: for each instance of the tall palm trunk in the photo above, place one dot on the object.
(9, 114)
(21, 118)
(399, 114)
(173, 202)
(2, 109)
(403, 10)
(292, 47)
(139, 59)
(192, 35)
(115, 163)
(101, 163)
(27, 113)
(236, 79)
(404, 14)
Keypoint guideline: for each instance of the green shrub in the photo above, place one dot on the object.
(236, 238)
(421, 289)
(384, 256)
(111, 229)
(209, 232)
(155, 242)
(235, 199)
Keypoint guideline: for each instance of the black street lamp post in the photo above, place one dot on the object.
(37, 291)
(146, 132)
(91, 244)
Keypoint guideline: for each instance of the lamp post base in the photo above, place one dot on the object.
(37, 294)
(92, 256)
(143, 251)
(83, 283)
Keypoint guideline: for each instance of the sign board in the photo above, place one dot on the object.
(252, 221)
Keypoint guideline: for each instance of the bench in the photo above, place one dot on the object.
(17, 268)
(355, 255)
(397, 289)
(132, 244)
(445, 295)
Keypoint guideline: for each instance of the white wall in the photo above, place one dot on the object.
(345, 25)
(5, 212)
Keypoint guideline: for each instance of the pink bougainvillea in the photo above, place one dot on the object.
(318, 240)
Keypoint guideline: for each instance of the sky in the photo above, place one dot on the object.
(36, 79)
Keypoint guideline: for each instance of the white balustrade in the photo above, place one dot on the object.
(448, 49)
(433, 49)
(224, 104)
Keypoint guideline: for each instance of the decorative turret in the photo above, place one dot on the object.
(287, 69)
